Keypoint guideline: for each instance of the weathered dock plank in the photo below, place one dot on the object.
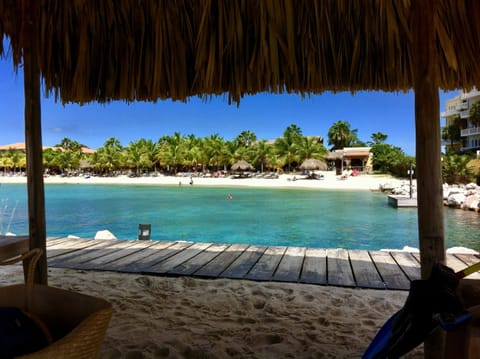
(194, 264)
(144, 264)
(392, 275)
(64, 247)
(408, 263)
(314, 266)
(221, 262)
(339, 271)
(364, 270)
(242, 265)
(290, 265)
(74, 259)
(128, 263)
(266, 265)
(110, 253)
(340, 267)
(469, 259)
(56, 240)
(179, 258)
(136, 246)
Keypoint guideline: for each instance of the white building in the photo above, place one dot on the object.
(459, 108)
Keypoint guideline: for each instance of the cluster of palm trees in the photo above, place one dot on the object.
(177, 152)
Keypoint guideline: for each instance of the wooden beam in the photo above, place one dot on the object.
(33, 141)
(429, 170)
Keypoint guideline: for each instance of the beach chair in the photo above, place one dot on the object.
(77, 323)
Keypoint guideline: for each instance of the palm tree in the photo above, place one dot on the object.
(340, 135)
(150, 150)
(452, 133)
(68, 145)
(261, 153)
(16, 158)
(286, 146)
(310, 147)
(245, 139)
(377, 138)
(194, 154)
(172, 150)
(109, 157)
(455, 169)
(69, 154)
(215, 149)
(475, 114)
(136, 155)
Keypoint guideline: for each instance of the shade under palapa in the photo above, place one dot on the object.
(242, 165)
(150, 50)
(313, 164)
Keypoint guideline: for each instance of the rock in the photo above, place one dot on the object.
(455, 200)
(105, 234)
(461, 250)
(471, 202)
(471, 186)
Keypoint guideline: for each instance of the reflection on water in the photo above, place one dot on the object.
(309, 218)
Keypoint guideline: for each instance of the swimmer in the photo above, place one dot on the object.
(229, 196)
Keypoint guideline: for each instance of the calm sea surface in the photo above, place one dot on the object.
(294, 217)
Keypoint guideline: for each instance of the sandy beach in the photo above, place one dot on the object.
(330, 181)
(164, 317)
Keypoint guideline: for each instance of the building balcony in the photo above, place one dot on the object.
(471, 94)
(449, 113)
(465, 114)
(470, 131)
(469, 148)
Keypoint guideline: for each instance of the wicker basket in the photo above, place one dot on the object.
(77, 322)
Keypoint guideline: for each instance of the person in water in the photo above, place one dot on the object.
(229, 196)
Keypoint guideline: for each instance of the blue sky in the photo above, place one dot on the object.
(266, 115)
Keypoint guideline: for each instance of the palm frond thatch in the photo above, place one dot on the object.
(312, 164)
(151, 50)
(242, 165)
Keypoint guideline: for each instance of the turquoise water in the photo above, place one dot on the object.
(294, 217)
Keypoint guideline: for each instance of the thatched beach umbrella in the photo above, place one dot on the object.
(242, 165)
(312, 164)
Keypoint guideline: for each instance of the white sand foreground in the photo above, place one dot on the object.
(330, 181)
(164, 317)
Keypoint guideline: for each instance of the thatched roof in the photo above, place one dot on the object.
(313, 164)
(150, 50)
(242, 165)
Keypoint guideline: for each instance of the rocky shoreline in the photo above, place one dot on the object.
(466, 197)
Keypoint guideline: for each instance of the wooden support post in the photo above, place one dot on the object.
(428, 156)
(33, 142)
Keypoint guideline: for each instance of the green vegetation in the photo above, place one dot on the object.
(340, 135)
(455, 169)
(451, 133)
(177, 152)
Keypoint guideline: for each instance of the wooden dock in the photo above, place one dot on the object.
(402, 201)
(337, 267)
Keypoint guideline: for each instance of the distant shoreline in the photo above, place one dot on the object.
(330, 181)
